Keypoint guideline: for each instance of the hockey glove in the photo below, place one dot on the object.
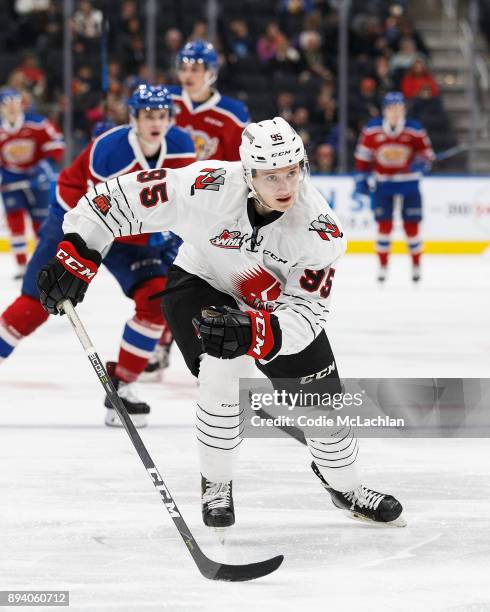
(42, 176)
(227, 332)
(361, 185)
(67, 275)
(421, 164)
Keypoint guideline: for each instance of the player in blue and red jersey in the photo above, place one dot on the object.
(395, 152)
(138, 262)
(31, 148)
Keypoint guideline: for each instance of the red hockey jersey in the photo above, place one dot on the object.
(215, 126)
(25, 144)
(390, 153)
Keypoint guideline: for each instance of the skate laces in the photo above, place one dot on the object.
(364, 497)
(217, 495)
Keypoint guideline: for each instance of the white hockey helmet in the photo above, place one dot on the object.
(270, 144)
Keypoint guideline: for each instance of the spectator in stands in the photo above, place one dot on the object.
(34, 77)
(405, 57)
(269, 43)
(301, 123)
(87, 20)
(284, 105)
(364, 105)
(127, 17)
(133, 54)
(310, 43)
(418, 82)
(52, 36)
(382, 75)
(199, 31)
(325, 105)
(168, 55)
(239, 40)
(292, 14)
(323, 160)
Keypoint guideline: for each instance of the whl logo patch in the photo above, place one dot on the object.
(210, 179)
(102, 203)
(325, 227)
(228, 240)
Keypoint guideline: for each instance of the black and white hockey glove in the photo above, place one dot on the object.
(227, 332)
(68, 273)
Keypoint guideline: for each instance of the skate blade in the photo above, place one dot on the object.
(398, 522)
(222, 533)
(112, 420)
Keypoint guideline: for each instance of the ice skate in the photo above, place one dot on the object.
(158, 362)
(20, 272)
(416, 274)
(137, 410)
(382, 274)
(217, 503)
(365, 504)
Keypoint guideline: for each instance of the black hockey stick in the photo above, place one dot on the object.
(208, 568)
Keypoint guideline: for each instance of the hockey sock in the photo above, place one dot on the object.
(18, 239)
(413, 239)
(383, 241)
(336, 458)
(219, 421)
(142, 332)
(20, 319)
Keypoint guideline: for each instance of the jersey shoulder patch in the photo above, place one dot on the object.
(111, 153)
(234, 107)
(375, 122)
(178, 141)
(413, 124)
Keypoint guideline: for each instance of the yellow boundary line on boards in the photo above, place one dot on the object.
(367, 246)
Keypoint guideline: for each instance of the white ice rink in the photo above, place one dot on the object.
(78, 512)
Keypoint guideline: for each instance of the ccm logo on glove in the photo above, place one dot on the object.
(83, 269)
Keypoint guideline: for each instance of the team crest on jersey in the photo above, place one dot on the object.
(210, 179)
(19, 151)
(257, 287)
(228, 240)
(325, 227)
(102, 203)
(205, 145)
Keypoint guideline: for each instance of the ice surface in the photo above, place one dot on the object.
(78, 512)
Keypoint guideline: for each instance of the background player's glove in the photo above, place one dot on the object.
(43, 175)
(228, 332)
(362, 185)
(421, 164)
(67, 275)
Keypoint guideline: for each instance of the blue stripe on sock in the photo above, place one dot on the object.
(139, 340)
(5, 348)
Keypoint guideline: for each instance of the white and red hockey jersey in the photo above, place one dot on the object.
(282, 266)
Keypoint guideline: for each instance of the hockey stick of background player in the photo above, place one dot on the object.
(208, 568)
(17, 186)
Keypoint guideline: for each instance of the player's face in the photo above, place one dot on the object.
(152, 124)
(11, 109)
(394, 113)
(192, 77)
(278, 188)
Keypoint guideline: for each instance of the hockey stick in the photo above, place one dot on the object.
(17, 186)
(208, 568)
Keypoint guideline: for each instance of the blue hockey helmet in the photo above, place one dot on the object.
(200, 52)
(150, 97)
(9, 93)
(102, 126)
(393, 97)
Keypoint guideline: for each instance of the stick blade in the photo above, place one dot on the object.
(240, 573)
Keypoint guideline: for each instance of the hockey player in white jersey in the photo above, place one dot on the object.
(253, 277)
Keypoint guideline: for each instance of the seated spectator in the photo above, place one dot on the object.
(128, 14)
(87, 20)
(269, 43)
(310, 43)
(383, 76)
(325, 105)
(199, 31)
(301, 122)
(364, 105)
(284, 105)
(292, 14)
(418, 82)
(173, 42)
(323, 160)
(287, 59)
(34, 77)
(239, 41)
(405, 57)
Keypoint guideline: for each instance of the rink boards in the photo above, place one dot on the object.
(456, 215)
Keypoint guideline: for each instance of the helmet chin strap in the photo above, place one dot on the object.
(208, 83)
